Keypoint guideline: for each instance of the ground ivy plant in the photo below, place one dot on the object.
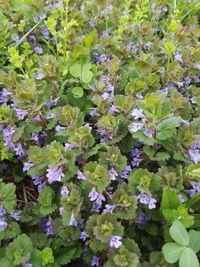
(99, 133)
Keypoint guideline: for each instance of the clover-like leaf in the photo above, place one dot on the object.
(179, 233)
(172, 252)
(188, 258)
(75, 70)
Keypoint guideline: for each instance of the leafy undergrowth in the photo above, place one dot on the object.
(100, 133)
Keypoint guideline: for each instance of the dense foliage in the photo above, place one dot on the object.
(100, 133)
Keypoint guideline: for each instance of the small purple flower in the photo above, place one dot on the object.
(113, 109)
(95, 261)
(124, 174)
(195, 155)
(3, 225)
(40, 76)
(136, 127)
(27, 265)
(21, 113)
(109, 208)
(47, 227)
(38, 50)
(64, 191)
(148, 132)
(8, 134)
(142, 219)
(50, 115)
(2, 211)
(115, 241)
(19, 151)
(4, 96)
(45, 32)
(27, 166)
(61, 210)
(182, 200)
(55, 174)
(37, 118)
(73, 221)
(147, 200)
(113, 174)
(69, 146)
(94, 112)
(80, 175)
(16, 215)
(15, 38)
(105, 96)
(59, 128)
(92, 24)
(178, 57)
(83, 236)
(93, 195)
(51, 102)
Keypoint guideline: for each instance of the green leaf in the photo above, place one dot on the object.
(188, 258)
(75, 70)
(167, 127)
(170, 200)
(193, 200)
(179, 233)
(7, 191)
(172, 252)
(77, 92)
(47, 256)
(194, 243)
(162, 156)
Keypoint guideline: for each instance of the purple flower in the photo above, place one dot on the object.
(92, 23)
(103, 58)
(73, 221)
(113, 109)
(45, 32)
(16, 215)
(47, 227)
(50, 115)
(115, 241)
(178, 57)
(113, 174)
(147, 200)
(69, 146)
(8, 134)
(93, 195)
(61, 210)
(136, 127)
(19, 150)
(21, 113)
(27, 265)
(3, 225)
(51, 102)
(195, 155)
(64, 191)
(40, 76)
(181, 198)
(124, 174)
(80, 175)
(15, 38)
(109, 208)
(38, 50)
(196, 186)
(93, 112)
(37, 118)
(2, 211)
(27, 166)
(95, 261)
(148, 132)
(142, 219)
(83, 236)
(59, 128)
(55, 174)
(4, 96)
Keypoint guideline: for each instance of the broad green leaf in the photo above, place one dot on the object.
(162, 156)
(194, 243)
(188, 258)
(77, 92)
(179, 233)
(86, 77)
(172, 252)
(168, 127)
(193, 200)
(75, 70)
(170, 200)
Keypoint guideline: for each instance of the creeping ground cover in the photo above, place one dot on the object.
(99, 133)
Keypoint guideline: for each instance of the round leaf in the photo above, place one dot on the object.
(87, 76)
(172, 252)
(77, 92)
(194, 243)
(188, 258)
(75, 70)
(179, 233)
